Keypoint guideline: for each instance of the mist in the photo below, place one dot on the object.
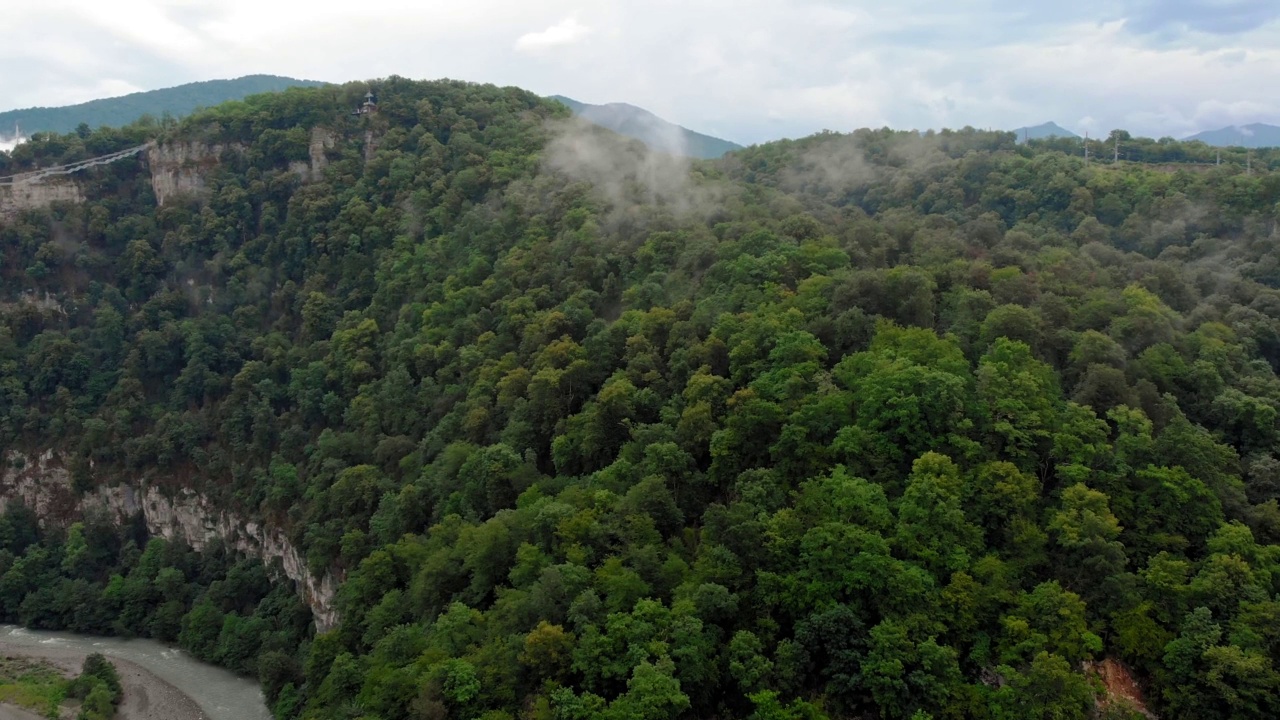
(8, 143)
(628, 174)
(832, 168)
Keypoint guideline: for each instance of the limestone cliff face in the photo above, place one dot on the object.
(322, 139)
(180, 168)
(37, 195)
(43, 484)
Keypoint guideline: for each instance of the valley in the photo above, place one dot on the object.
(465, 407)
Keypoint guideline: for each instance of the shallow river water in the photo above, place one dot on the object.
(221, 694)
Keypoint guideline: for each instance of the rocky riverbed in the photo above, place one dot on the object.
(146, 697)
(160, 683)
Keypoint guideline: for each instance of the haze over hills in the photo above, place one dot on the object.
(1256, 135)
(113, 112)
(1043, 130)
(623, 118)
(653, 131)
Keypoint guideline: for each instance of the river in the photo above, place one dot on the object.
(221, 694)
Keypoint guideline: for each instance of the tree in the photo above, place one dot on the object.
(932, 527)
(1085, 531)
(1050, 619)
(747, 664)
(1022, 396)
(911, 391)
(547, 650)
(652, 693)
(906, 677)
(1047, 689)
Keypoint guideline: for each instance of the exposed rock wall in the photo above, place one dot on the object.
(43, 484)
(21, 196)
(179, 168)
(322, 139)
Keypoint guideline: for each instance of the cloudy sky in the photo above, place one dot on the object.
(747, 70)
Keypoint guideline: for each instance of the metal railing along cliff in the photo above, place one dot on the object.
(42, 173)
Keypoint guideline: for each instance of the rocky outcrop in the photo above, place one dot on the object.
(44, 484)
(180, 168)
(20, 196)
(322, 140)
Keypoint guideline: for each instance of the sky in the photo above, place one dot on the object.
(746, 70)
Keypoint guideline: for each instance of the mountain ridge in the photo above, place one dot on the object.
(1044, 130)
(178, 101)
(1253, 135)
(655, 132)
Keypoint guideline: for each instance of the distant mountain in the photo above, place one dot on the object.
(1257, 135)
(176, 101)
(1042, 131)
(650, 129)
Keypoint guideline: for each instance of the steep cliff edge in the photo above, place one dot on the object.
(177, 167)
(180, 168)
(43, 484)
(312, 170)
(33, 196)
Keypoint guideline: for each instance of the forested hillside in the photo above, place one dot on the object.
(866, 425)
(115, 111)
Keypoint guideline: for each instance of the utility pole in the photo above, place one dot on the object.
(1116, 157)
(1086, 149)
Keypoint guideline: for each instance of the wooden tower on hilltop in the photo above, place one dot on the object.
(370, 105)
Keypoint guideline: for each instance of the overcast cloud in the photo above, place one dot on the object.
(747, 70)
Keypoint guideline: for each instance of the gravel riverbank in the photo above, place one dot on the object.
(9, 712)
(146, 697)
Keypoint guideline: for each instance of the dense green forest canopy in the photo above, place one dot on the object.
(859, 425)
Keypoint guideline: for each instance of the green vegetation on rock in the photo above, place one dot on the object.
(866, 425)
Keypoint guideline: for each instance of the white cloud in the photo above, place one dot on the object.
(565, 32)
(104, 88)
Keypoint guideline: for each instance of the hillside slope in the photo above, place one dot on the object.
(653, 131)
(114, 112)
(864, 425)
